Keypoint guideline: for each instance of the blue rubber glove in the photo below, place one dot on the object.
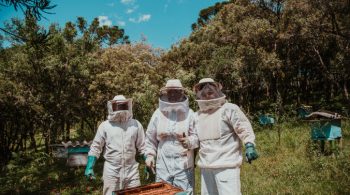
(250, 152)
(89, 172)
(140, 158)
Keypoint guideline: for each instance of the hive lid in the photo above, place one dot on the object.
(76, 144)
(323, 115)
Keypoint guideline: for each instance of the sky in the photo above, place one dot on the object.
(161, 22)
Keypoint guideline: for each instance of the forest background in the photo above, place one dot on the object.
(271, 57)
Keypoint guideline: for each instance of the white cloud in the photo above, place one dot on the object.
(121, 23)
(132, 9)
(129, 11)
(104, 20)
(132, 20)
(126, 2)
(142, 18)
(145, 17)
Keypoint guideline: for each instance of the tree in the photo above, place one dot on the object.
(35, 8)
(272, 55)
(46, 77)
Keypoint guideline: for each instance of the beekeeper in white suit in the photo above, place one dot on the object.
(120, 137)
(221, 128)
(169, 138)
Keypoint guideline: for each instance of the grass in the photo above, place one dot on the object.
(289, 164)
(296, 165)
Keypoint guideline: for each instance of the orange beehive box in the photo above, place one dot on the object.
(158, 188)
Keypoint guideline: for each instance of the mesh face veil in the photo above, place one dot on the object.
(207, 91)
(118, 106)
(172, 92)
(209, 95)
(119, 109)
(172, 95)
(212, 104)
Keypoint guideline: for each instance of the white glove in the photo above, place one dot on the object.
(150, 161)
(185, 142)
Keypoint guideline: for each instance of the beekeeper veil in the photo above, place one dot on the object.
(174, 108)
(172, 97)
(208, 94)
(119, 109)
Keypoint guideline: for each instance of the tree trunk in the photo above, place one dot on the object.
(47, 137)
(82, 125)
(324, 70)
(298, 90)
(67, 132)
(267, 84)
(54, 127)
(346, 92)
(62, 131)
(32, 136)
(4, 150)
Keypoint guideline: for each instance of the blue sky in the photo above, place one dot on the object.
(162, 22)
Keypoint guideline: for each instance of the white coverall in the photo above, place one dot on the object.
(221, 133)
(119, 141)
(174, 163)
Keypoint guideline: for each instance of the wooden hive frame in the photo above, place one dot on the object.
(158, 188)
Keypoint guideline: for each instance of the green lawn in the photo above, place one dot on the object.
(294, 166)
(289, 165)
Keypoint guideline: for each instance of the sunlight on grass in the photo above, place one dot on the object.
(292, 166)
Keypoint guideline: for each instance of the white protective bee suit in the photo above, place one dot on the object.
(174, 163)
(119, 137)
(221, 128)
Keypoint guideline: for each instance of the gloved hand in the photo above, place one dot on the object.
(144, 157)
(149, 173)
(185, 142)
(140, 158)
(89, 172)
(150, 162)
(250, 152)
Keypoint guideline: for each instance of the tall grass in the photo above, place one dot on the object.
(289, 164)
(295, 165)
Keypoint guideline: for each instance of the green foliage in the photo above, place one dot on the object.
(33, 7)
(45, 79)
(272, 52)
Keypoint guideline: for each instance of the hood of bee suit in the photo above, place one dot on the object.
(209, 95)
(119, 109)
(182, 106)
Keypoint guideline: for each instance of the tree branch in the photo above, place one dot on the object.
(13, 34)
